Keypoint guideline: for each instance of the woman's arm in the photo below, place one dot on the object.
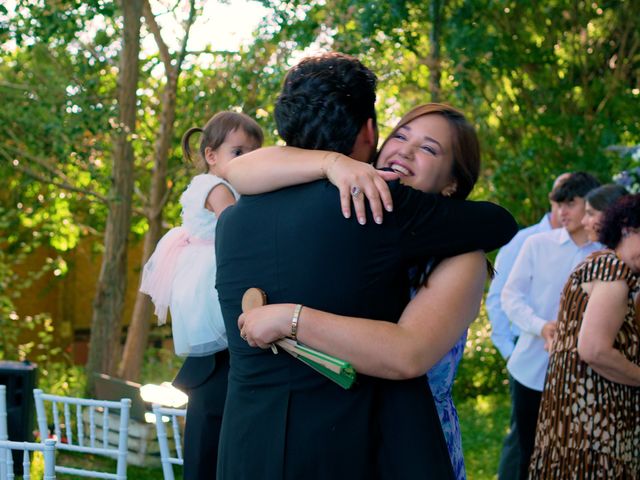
(428, 328)
(272, 168)
(601, 323)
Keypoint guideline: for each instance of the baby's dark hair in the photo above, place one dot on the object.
(622, 215)
(216, 130)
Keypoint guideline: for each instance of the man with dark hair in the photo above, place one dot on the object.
(347, 92)
(531, 298)
(282, 419)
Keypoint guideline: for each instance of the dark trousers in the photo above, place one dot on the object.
(526, 403)
(509, 466)
(204, 418)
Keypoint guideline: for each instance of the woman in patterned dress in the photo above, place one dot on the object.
(589, 421)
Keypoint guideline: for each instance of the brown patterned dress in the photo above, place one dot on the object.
(589, 427)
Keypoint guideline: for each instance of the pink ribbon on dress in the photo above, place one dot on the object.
(158, 273)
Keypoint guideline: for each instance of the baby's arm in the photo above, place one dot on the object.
(272, 168)
(219, 198)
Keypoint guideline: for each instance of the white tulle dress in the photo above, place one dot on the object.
(181, 274)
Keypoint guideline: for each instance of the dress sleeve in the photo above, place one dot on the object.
(196, 195)
(607, 267)
(433, 225)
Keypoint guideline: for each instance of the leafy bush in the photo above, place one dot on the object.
(482, 370)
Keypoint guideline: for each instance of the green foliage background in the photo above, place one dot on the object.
(549, 86)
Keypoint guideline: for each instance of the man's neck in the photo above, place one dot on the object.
(579, 237)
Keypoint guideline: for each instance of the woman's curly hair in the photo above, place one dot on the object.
(624, 214)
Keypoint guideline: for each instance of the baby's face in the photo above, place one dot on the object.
(236, 143)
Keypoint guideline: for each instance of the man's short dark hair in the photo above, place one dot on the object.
(577, 185)
(325, 101)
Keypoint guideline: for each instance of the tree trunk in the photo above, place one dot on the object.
(434, 53)
(138, 334)
(109, 300)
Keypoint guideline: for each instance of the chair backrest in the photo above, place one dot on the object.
(4, 434)
(166, 453)
(6, 458)
(107, 432)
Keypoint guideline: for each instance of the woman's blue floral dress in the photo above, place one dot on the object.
(441, 378)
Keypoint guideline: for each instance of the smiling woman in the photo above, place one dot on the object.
(433, 148)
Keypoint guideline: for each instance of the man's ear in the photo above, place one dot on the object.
(366, 142)
(372, 132)
(210, 156)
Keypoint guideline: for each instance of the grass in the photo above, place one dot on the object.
(484, 421)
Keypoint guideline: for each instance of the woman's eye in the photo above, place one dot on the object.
(429, 149)
(399, 136)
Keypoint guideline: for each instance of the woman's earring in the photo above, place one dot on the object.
(448, 191)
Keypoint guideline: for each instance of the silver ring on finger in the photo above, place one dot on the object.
(355, 191)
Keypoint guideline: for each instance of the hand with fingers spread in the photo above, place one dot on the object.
(357, 180)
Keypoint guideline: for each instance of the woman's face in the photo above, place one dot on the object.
(591, 221)
(420, 152)
(629, 249)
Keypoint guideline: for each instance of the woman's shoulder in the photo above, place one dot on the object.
(605, 265)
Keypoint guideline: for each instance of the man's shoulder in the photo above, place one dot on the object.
(314, 198)
(309, 191)
(542, 226)
(546, 237)
(404, 195)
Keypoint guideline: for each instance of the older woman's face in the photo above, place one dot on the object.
(629, 249)
(420, 152)
(591, 221)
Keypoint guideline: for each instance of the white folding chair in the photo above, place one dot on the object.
(96, 413)
(4, 434)
(6, 458)
(166, 457)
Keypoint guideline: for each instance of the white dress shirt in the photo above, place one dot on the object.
(531, 298)
(503, 332)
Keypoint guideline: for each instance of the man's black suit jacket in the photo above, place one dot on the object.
(284, 420)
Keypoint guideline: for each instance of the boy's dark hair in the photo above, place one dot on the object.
(577, 185)
(622, 215)
(602, 197)
(215, 132)
(324, 102)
